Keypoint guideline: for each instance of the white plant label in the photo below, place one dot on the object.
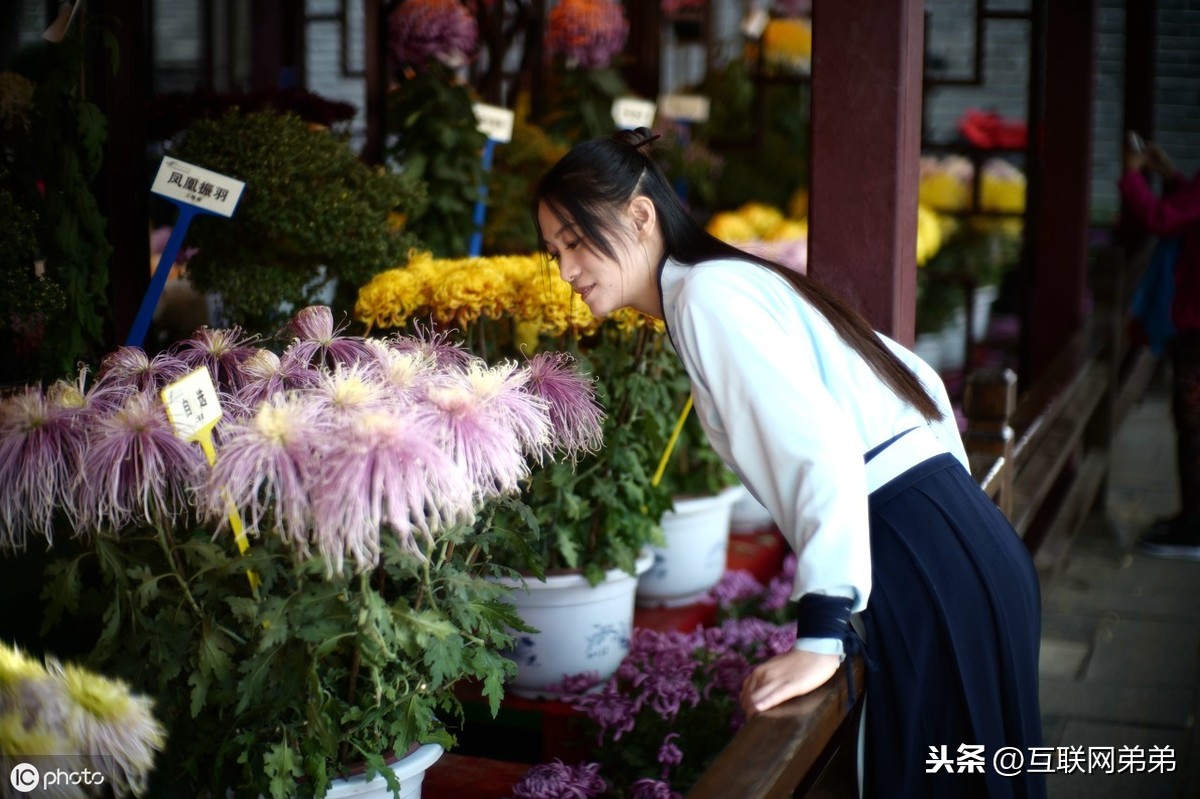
(684, 107)
(194, 185)
(494, 122)
(192, 404)
(630, 113)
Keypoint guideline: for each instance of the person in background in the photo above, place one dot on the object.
(1175, 214)
(849, 440)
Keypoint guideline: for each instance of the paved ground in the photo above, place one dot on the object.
(1121, 635)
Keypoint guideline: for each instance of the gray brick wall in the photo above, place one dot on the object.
(323, 60)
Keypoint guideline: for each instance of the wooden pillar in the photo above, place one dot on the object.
(376, 67)
(1141, 26)
(277, 53)
(123, 187)
(644, 48)
(1062, 147)
(866, 139)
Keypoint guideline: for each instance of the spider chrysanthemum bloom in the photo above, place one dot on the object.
(384, 470)
(266, 467)
(221, 350)
(489, 425)
(405, 375)
(135, 469)
(41, 453)
(445, 352)
(576, 418)
(265, 374)
(318, 341)
(103, 717)
(349, 392)
(130, 367)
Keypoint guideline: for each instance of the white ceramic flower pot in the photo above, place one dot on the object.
(581, 628)
(410, 770)
(693, 560)
(749, 516)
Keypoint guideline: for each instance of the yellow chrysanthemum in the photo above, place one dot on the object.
(929, 234)
(16, 666)
(17, 739)
(789, 229)
(105, 699)
(763, 218)
(730, 227)
(945, 191)
(787, 43)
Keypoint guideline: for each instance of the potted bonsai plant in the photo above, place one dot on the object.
(360, 478)
(595, 515)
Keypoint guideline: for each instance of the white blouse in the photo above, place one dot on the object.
(792, 409)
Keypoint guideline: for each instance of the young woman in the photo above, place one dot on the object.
(848, 439)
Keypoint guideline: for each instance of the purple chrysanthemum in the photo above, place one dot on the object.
(575, 686)
(221, 350)
(610, 709)
(588, 33)
(135, 469)
(41, 452)
(267, 467)
(557, 780)
(317, 340)
(265, 374)
(420, 31)
(130, 367)
(406, 375)
(669, 754)
(575, 416)
(647, 788)
(736, 585)
(384, 470)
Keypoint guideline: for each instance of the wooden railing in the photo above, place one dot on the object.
(1044, 458)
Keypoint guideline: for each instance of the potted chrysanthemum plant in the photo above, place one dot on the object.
(595, 516)
(362, 478)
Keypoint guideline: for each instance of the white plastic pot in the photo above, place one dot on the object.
(410, 770)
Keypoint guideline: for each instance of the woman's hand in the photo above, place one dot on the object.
(1135, 161)
(1158, 160)
(785, 676)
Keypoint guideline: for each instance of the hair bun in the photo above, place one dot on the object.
(639, 139)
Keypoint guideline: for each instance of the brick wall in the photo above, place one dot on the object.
(323, 57)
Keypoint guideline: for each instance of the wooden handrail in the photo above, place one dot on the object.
(1044, 459)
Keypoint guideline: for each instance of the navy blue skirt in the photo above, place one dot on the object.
(953, 626)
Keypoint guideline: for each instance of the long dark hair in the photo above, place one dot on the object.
(595, 179)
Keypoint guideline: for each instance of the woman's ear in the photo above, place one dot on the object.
(644, 215)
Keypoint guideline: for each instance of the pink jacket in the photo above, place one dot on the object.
(1176, 213)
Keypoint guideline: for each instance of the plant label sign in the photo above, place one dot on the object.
(192, 404)
(494, 122)
(630, 113)
(684, 107)
(207, 190)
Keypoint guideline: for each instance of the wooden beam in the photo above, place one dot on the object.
(866, 133)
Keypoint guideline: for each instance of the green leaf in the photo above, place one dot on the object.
(282, 768)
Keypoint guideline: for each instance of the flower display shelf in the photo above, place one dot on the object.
(528, 731)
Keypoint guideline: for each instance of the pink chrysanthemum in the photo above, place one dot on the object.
(575, 416)
(317, 341)
(420, 31)
(130, 367)
(384, 470)
(405, 375)
(444, 351)
(221, 350)
(588, 33)
(647, 788)
(265, 374)
(349, 392)
(41, 451)
(488, 424)
(267, 467)
(135, 469)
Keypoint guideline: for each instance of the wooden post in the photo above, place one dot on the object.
(866, 142)
(989, 401)
(377, 78)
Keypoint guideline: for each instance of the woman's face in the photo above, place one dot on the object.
(600, 281)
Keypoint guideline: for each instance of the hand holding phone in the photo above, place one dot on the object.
(1135, 142)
